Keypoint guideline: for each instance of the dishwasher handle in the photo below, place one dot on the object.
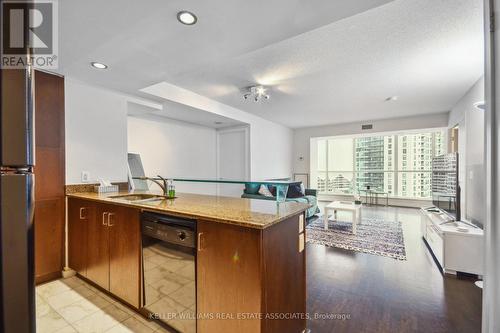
(168, 220)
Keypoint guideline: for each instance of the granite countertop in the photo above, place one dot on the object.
(252, 213)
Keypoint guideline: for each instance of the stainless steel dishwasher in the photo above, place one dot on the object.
(169, 270)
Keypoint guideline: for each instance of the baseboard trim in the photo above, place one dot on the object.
(47, 277)
(68, 272)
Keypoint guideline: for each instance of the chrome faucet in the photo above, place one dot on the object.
(162, 184)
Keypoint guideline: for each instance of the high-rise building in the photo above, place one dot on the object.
(415, 157)
(374, 156)
(399, 165)
(321, 184)
(341, 184)
(375, 161)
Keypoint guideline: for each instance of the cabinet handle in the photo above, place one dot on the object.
(104, 218)
(200, 235)
(109, 216)
(83, 209)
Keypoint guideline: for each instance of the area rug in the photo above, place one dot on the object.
(373, 236)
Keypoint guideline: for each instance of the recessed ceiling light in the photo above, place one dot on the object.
(186, 17)
(98, 65)
(391, 99)
(480, 106)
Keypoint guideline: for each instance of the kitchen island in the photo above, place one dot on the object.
(249, 268)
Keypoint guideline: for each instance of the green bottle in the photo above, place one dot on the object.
(171, 191)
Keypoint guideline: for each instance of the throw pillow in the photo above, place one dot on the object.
(272, 189)
(263, 190)
(294, 191)
(252, 188)
(302, 189)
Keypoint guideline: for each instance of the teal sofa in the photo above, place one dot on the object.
(310, 197)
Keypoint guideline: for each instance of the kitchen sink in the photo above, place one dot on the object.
(138, 197)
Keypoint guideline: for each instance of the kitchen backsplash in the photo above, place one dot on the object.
(87, 187)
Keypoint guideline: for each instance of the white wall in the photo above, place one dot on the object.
(174, 149)
(270, 149)
(471, 140)
(464, 105)
(302, 136)
(96, 133)
(270, 143)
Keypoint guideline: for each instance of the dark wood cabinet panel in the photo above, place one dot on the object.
(98, 247)
(284, 276)
(243, 270)
(49, 176)
(80, 214)
(49, 235)
(228, 277)
(125, 254)
(105, 246)
(49, 108)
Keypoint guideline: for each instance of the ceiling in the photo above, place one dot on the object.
(172, 110)
(325, 62)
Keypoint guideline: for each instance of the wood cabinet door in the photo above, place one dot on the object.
(228, 277)
(284, 275)
(80, 212)
(125, 254)
(49, 235)
(49, 171)
(98, 247)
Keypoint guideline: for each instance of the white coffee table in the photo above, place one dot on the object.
(347, 207)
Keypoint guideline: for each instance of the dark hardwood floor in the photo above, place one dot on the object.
(379, 294)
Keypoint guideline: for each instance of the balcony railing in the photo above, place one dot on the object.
(410, 184)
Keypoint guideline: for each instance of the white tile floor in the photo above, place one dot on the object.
(71, 305)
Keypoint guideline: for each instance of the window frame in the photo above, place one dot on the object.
(396, 171)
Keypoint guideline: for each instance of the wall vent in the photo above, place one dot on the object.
(367, 127)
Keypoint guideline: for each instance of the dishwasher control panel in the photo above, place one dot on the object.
(169, 229)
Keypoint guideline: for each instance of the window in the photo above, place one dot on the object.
(335, 166)
(396, 164)
(374, 163)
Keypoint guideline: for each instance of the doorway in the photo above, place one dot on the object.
(233, 158)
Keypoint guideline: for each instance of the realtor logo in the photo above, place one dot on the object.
(29, 34)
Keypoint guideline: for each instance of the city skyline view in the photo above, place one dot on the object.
(399, 165)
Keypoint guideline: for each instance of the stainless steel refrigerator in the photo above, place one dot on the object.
(17, 287)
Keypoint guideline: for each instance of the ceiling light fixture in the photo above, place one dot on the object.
(98, 65)
(391, 99)
(256, 93)
(186, 17)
